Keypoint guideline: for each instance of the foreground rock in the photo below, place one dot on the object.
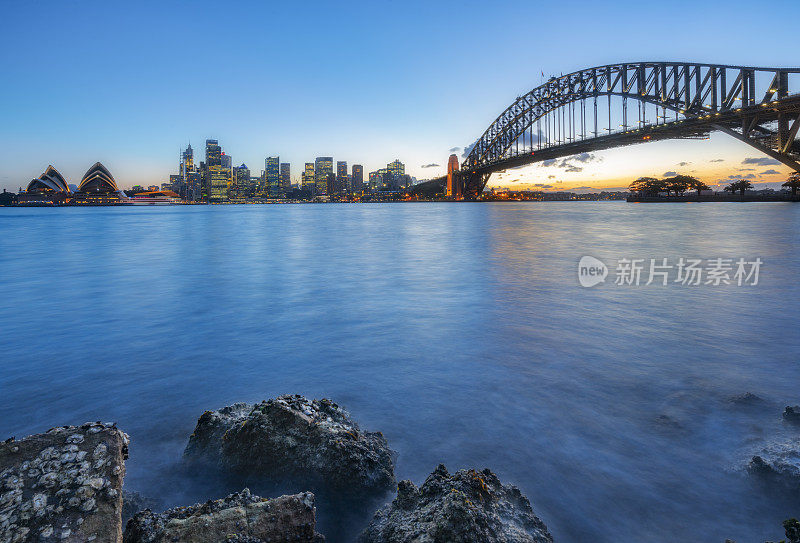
(778, 465)
(290, 437)
(64, 485)
(466, 507)
(240, 517)
(792, 414)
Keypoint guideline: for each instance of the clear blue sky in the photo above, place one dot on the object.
(130, 83)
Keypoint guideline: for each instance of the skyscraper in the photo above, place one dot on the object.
(241, 182)
(308, 177)
(357, 178)
(272, 171)
(217, 176)
(286, 177)
(342, 180)
(187, 161)
(323, 166)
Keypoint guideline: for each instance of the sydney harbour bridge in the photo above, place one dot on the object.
(623, 104)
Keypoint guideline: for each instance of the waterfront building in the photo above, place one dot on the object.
(156, 198)
(273, 175)
(453, 181)
(286, 177)
(357, 178)
(323, 167)
(307, 177)
(330, 185)
(98, 187)
(50, 188)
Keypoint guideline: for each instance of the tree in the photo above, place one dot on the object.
(649, 186)
(681, 183)
(739, 186)
(793, 182)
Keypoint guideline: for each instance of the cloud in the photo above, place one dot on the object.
(683, 163)
(431, 165)
(718, 160)
(583, 157)
(549, 162)
(467, 149)
(770, 172)
(669, 174)
(551, 176)
(573, 169)
(454, 149)
(583, 188)
(543, 186)
(761, 161)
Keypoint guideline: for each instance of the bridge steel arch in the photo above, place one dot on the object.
(753, 104)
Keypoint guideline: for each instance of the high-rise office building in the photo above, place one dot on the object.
(286, 177)
(187, 161)
(307, 177)
(357, 178)
(226, 161)
(217, 176)
(342, 179)
(241, 182)
(323, 166)
(396, 168)
(272, 171)
(213, 153)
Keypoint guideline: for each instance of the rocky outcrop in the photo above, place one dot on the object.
(241, 517)
(133, 502)
(313, 442)
(466, 507)
(778, 465)
(792, 414)
(64, 485)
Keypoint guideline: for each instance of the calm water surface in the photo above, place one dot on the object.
(460, 331)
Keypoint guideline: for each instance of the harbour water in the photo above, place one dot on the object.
(458, 330)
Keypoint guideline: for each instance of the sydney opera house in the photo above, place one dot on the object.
(96, 188)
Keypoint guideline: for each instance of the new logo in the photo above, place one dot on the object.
(591, 271)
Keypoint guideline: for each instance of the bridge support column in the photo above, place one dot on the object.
(473, 183)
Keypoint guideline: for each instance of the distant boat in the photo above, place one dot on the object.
(156, 198)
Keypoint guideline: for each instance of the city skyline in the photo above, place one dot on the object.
(379, 94)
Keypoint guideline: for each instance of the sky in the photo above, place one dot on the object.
(130, 83)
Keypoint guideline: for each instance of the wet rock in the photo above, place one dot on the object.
(748, 399)
(778, 465)
(133, 502)
(313, 442)
(792, 414)
(466, 507)
(64, 485)
(241, 517)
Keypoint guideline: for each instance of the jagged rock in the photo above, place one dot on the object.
(133, 502)
(778, 465)
(290, 437)
(792, 414)
(241, 517)
(64, 485)
(466, 507)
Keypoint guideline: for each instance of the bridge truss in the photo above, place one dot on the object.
(622, 104)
